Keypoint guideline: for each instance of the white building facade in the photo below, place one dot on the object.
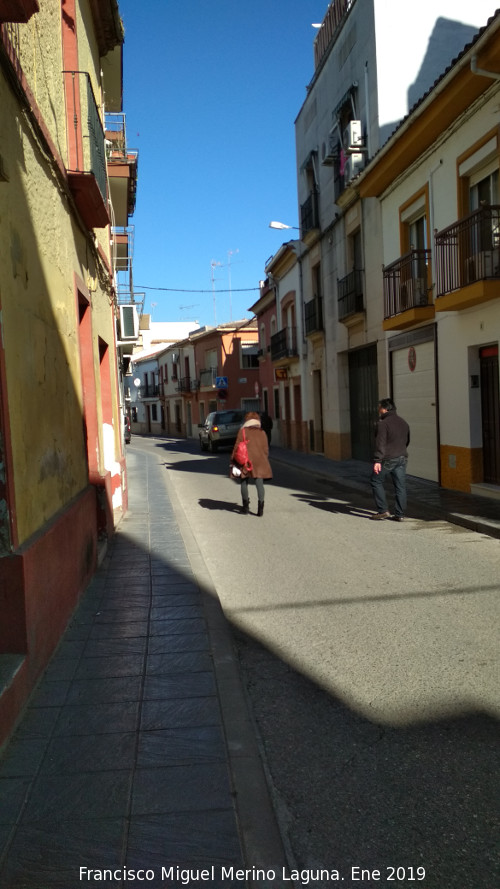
(372, 61)
(437, 180)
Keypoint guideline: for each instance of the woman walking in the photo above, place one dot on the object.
(258, 451)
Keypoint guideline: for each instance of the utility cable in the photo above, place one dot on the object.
(184, 290)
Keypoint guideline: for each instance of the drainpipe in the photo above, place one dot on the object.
(495, 75)
(367, 105)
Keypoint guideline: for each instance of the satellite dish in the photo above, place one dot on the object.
(137, 382)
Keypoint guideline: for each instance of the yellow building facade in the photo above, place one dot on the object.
(63, 478)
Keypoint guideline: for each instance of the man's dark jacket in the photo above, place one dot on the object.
(392, 437)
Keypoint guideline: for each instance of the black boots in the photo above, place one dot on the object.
(245, 508)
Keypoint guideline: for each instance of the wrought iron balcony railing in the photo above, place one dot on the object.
(313, 315)
(86, 152)
(350, 294)
(284, 344)
(149, 390)
(330, 27)
(187, 384)
(118, 153)
(468, 251)
(406, 283)
(309, 215)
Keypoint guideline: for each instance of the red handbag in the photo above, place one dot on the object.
(241, 454)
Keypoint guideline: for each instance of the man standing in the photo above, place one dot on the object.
(391, 457)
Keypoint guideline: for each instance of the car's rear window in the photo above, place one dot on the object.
(229, 417)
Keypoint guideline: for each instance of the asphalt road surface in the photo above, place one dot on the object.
(369, 652)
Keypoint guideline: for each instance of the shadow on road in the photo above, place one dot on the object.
(130, 680)
(225, 505)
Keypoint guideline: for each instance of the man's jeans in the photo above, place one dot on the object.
(396, 468)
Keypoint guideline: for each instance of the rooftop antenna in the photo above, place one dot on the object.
(229, 254)
(213, 266)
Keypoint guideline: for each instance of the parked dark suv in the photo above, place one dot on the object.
(220, 428)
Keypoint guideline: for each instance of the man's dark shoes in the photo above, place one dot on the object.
(399, 518)
(379, 516)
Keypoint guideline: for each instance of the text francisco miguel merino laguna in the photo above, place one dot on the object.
(189, 876)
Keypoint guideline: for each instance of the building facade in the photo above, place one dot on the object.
(63, 477)
(227, 368)
(437, 183)
(354, 101)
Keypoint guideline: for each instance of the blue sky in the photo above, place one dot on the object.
(211, 91)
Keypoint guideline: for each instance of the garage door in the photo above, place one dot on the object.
(414, 392)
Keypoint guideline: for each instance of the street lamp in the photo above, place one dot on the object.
(282, 225)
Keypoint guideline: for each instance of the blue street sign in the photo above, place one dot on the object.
(221, 382)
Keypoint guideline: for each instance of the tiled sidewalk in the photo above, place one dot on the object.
(121, 760)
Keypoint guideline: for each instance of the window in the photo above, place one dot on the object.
(316, 280)
(356, 251)
(211, 359)
(249, 356)
(414, 234)
(417, 231)
(262, 338)
(277, 403)
(154, 413)
(484, 191)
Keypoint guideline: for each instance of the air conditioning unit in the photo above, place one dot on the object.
(175, 357)
(129, 323)
(353, 165)
(353, 136)
(484, 264)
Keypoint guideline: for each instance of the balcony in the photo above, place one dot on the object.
(122, 169)
(284, 344)
(313, 315)
(86, 164)
(149, 390)
(406, 291)
(123, 244)
(309, 215)
(18, 11)
(186, 385)
(350, 298)
(330, 28)
(468, 261)
(207, 378)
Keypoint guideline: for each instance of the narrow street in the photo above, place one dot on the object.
(370, 658)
